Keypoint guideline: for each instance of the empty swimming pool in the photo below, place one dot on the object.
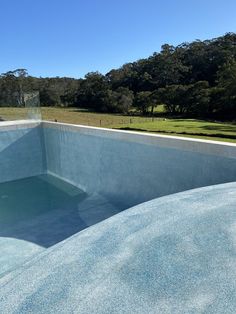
(58, 185)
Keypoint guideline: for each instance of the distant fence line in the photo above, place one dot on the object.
(133, 120)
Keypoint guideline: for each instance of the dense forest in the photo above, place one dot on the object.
(196, 79)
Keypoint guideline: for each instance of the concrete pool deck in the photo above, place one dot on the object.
(173, 254)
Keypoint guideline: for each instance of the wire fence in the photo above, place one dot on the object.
(122, 121)
(32, 110)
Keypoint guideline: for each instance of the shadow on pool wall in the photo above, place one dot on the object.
(132, 168)
(21, 151)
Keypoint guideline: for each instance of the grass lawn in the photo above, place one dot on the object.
(181, 127)
(73, 115)
(188, 127)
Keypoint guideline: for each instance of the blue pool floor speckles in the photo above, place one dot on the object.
(38, 212)
(175, 254)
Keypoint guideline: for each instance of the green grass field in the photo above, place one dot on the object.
(73, 115)
(180, 127)
(188, 127)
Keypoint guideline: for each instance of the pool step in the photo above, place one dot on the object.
(20, 244)
(96, 208)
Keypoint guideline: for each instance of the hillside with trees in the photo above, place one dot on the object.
(196, 79)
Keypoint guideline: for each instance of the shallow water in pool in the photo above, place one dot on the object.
(27, 198)
(40, 211)
(45, 210)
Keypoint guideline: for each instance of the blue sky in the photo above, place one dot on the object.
(73, 37)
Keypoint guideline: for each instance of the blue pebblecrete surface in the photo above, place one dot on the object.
(174, 254)
(21, 153)
(123, 170)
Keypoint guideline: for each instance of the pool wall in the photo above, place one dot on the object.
(125, 167)
(174, 254)
(21, 150)
(130, 167)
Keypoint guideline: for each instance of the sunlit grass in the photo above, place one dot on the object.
(189, 128)
(180, 127)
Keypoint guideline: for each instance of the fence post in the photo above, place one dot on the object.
(100, 122)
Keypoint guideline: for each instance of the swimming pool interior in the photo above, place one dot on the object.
(40, 211)
(175, 228)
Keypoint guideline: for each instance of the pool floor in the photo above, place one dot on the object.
(38, 212)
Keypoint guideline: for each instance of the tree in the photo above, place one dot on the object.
(93, 92)
(12, 87)
(227, 82)
(167, 67)
(196, 99)
(190, 99)
(122, 100)
(143, 101)
(172, 97)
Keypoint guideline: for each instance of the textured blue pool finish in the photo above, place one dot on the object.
(71, 242)
(38, 212)
(175, 254)
(21, 152)
(131, 168)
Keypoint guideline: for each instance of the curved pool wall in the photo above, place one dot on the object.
(127, 168)
(130, 168)
(174, 254)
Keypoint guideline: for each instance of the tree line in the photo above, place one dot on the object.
(196, 79)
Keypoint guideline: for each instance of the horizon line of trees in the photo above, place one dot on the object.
(196, 79)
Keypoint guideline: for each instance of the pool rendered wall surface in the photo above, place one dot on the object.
(127, 168)
(174, 254)
(21, 150)
(130, 167)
